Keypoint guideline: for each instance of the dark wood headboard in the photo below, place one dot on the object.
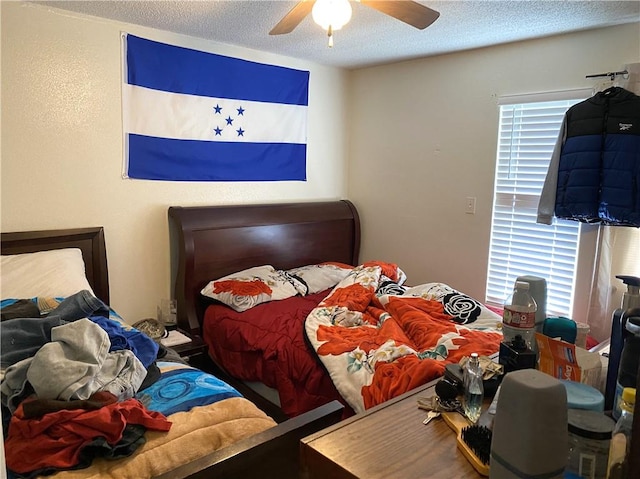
(89, 240)
(209, 242)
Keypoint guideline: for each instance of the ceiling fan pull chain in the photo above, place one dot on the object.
(330, 33)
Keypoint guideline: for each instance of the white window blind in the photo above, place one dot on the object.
(520, 246)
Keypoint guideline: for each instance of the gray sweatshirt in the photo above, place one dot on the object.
(74, 365)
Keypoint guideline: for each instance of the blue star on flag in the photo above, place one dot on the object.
(229, 121)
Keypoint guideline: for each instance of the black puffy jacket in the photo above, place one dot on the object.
(595, 168)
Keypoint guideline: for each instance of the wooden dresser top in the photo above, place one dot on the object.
(386, 441)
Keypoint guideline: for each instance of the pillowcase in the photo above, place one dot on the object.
(250, 287)
(314, 278)
(389, 270)
(57, 273)
(388, 286)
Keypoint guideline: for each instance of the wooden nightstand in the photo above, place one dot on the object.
(194, 352)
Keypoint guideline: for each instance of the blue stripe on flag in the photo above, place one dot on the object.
(181, 70)
(189, 160)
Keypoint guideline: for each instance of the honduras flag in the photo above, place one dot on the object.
(196, 116)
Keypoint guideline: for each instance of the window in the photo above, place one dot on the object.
(519, 246)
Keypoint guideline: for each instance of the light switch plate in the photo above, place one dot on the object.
(470, 207)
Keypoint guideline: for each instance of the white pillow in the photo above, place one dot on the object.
(318, 277)
(57, 273)
(248, 288)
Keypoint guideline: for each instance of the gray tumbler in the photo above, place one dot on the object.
(530, 436)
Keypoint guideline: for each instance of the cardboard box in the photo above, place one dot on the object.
(567, 361)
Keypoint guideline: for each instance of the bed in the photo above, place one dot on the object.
(221, 436)
(279, 348)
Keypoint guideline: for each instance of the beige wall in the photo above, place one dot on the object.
(62, 146)
(423, 139)
(420, 138)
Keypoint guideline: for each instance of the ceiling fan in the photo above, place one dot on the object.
(334, 14)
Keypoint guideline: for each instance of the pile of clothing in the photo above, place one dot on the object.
(69, 376)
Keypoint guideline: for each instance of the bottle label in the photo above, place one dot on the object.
(617, 410)
(519, 319)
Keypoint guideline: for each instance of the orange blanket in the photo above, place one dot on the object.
(377, 346)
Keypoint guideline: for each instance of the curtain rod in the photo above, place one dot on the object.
(611, 75)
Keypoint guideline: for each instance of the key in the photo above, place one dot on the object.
(430, 416)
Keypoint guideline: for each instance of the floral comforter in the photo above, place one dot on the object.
(379, 339)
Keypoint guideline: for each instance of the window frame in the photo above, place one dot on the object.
(588, 233)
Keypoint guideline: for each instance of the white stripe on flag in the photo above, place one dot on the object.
(190, 117)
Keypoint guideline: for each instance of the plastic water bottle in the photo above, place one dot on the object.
(473, 388)
(619, 448)
(519, 316)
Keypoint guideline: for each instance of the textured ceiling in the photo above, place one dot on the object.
(371, 37)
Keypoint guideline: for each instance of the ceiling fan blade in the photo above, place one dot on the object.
(292, 19)
(413, 13)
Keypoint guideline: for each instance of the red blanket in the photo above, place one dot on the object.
(57, 440)
(267, 344)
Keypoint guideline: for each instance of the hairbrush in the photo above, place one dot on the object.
(472, 439)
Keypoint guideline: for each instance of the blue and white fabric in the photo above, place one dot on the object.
(190, 115)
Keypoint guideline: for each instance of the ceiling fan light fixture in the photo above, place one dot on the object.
(331, 15)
